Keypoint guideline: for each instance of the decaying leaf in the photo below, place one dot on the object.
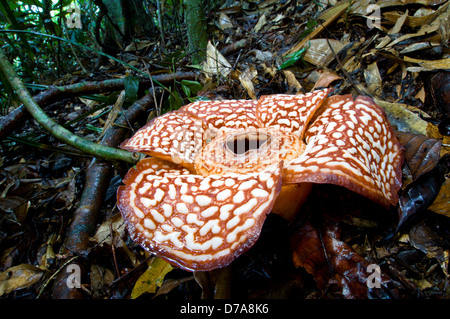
(100, 277)
(225, 22)
(246, 78)
(419, 195)
(14, 208)
(320, 52)
(407, 121)
(136, 46)
(373, 79)
(261, 23)
(18, 277)
(334, 263)
(425, 239)
(170, 284)
(114, 112)
(427, 65)
(215, 63)
(421, 153)
(103, 235)
(328, 16)
(153, 277)
(326, 77)
(292, 81)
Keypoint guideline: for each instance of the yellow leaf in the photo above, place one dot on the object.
(153, 277)
(442, 201)
(442, 64)
(20, 276)
(407, 121)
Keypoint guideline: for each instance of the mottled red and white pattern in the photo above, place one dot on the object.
(205, 212)
(196, 222)
(351, 144)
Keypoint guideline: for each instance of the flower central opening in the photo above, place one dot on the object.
(242, 143)
(247, 151)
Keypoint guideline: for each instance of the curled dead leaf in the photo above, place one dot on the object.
(14, 208)
(420, 194)
(421, 153)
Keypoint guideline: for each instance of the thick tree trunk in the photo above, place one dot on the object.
(194, 17)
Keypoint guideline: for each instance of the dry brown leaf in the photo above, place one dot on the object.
(373, 79)
(395, 29)
(169, 284)
(421, 19)
(426, 240)
(329, 16)
(426, 65)
(246, 79)
(14, 207)
(113, 113)
(18, 277)
(333, 262)
(319, 52)
(225, 22)
(421, 153)
(326, 78)
(215, 63)
(261, 23)
(136, 46)
(100, 277)
(292, 81)
(103, 235)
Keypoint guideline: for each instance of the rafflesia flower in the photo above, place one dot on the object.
(217, 168)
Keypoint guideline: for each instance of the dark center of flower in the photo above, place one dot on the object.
(242, 143)
(252, 150)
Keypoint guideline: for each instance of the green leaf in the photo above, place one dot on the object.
(191, 88)
(310, 25)
(292, 58)
(153, 277)
(175, 100)
(197, 98)
(93, 128)
(131, 86)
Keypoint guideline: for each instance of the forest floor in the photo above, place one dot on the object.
(401, 61)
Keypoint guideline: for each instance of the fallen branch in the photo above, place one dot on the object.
(86, 217)
(53, 94)
(91, 148)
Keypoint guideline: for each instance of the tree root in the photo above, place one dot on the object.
(87, 215)
(53, 94)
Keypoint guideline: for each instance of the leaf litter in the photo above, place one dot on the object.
(264, 48)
